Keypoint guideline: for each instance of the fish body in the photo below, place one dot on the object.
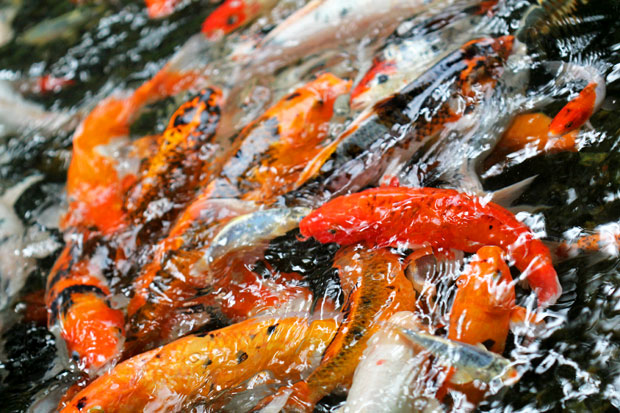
(404, 58)
(388, 134)
(441, 217)
(472, 362)
(263, 162)
(14, 265)
(251, 229)
(62, 27)
(233, 14)
(7, 15)
(390, 376)
(198, 368)
(578, 111)
(375, 287)
(322, 23)
(160, 8)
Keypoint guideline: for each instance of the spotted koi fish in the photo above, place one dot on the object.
(443, 218)
(198, 368)
(375, 288)
(233, 14)
(264, 162)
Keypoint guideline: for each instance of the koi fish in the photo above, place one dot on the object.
(79, 312)
(606, 239)
(404, 58)
(64, 27)
(248, 230)
(443, 218)
(484, 304)
(198, 368)
(579, 110)
(15, 266)
(375, 287)
(18, 114)
(322, 23)
(391, 376)
(160, 8)
(471, 362)
(7, 15)
(175, 170)
(385, 136)
(234, 14)
(256, 168)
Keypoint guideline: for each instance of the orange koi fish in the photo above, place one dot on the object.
(375, 288)
(530, 130)
(395, 128)
(184, 152)
(443, 218)
(198, 368)
(579, 110)
(79, 311)
(160, 8)
(263, 163)
(233, 14)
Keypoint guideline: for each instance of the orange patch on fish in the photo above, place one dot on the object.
(576, 112)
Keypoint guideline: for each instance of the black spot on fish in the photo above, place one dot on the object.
(488, 343)
(292, 96)
(81, 403)
(208, 362)
(241, 357)
(232, 20)
(271, 329)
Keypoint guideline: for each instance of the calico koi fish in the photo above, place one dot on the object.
(443, 218)
(405, 57)
(375, 288)
(388, 134)
(198, 368)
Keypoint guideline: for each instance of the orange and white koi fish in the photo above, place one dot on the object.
(198, 368)
(443, 218)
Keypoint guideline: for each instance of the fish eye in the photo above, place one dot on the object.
(382, 78)
(232, 20)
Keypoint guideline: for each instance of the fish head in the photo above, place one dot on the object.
(228, 17)
(375, 81)
(484, 61)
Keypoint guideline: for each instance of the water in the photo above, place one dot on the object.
(570, 366)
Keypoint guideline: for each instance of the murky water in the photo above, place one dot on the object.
(106, 48)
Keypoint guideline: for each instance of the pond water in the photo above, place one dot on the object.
(61, 61)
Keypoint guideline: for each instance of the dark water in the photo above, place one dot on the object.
(575, 365)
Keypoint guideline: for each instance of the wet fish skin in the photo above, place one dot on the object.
(474, 362)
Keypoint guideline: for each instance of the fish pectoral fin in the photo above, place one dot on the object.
(507, 195)
(460, 376)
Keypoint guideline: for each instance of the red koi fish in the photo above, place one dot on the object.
(577, 112)
(443, 218)
(198, 368)
(233, 14)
